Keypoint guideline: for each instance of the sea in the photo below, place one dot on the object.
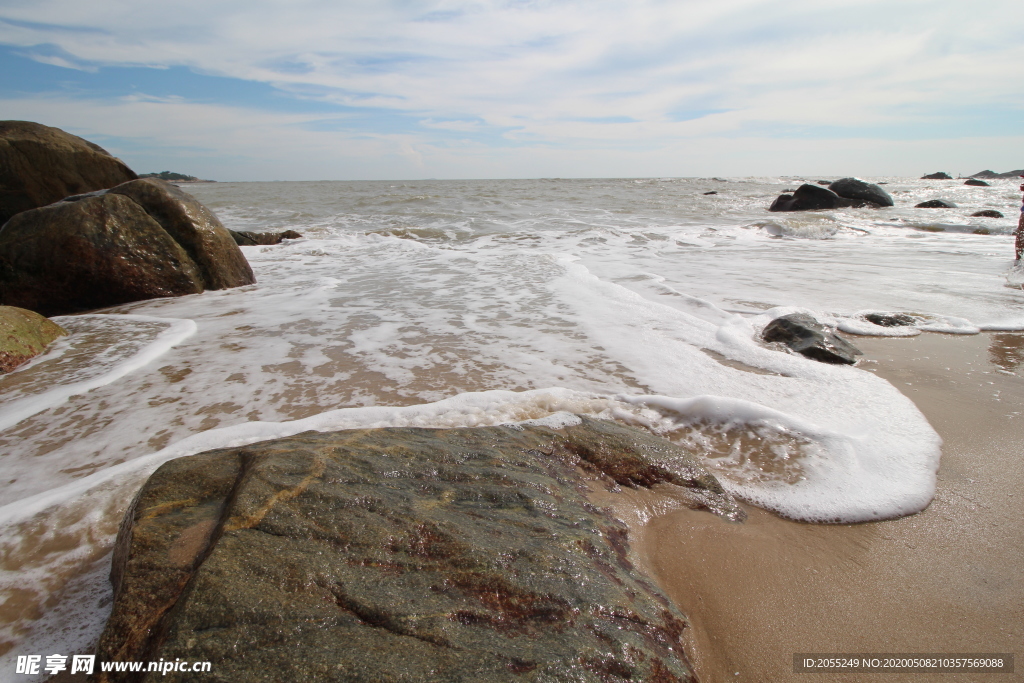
(450, 303)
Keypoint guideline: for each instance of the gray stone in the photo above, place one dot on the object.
(402, 555)
(809, 338)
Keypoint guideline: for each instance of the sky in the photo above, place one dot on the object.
(409, 89)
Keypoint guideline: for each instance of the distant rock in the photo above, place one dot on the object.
(990, 174)
(23, 336)
(244, 238)
(140, 240)
(936, 204)
(976, 183)
(890, 319)
(809, 338)
(402, 554)
(712, 192)
(937, 176)
(811, 197)
(824, 182)
(981, 231)
(40, 165)
(987, 213)
(857, 189)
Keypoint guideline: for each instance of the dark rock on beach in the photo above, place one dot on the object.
(976, 183)
(401, 554)
(140, 240)
(40, 165)
(812, 197)
(889, 319)
(937, 176)
(23, 336)
(245, 238)
(857, 189)
(936, 204)
(809, 338)
(807, 198)
(987, 213)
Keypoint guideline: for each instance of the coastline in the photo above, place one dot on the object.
(942, 581)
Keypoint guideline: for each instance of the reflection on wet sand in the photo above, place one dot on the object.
(1006, 350)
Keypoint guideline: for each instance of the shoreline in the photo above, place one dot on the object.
(943, 580)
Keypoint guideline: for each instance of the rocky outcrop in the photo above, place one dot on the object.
(937, 176)
(40, 165)
(987, 213)
(935, 204)
(244, 238)
(976, 183)
(811, 339)
(140, 240)
(23, 336)
(859, 190)
(400, 555)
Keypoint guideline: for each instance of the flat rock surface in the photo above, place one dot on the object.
(401, 555)
(40, 165)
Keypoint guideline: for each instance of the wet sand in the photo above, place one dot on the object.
(947, 580)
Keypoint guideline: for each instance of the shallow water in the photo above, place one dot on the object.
(451, 303)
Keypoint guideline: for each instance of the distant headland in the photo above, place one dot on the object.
(172, 177)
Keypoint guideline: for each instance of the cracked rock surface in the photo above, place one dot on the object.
(401, 554)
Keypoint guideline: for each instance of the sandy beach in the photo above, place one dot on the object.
(945, 580)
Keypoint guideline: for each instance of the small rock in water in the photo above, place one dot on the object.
(244, 238)
(936, 204)
(937, 176)
(889, 319)
(987, 213)
(807, 198)
(976, 183)
(808, 337)
(824, 182)
(712, 192)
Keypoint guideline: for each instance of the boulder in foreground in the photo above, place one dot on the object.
(857, 189)
(140, 240)
(811, 339)
(40, 165)
(401, 554)
(23, 336)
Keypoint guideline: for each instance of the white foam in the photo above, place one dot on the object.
(110, 364)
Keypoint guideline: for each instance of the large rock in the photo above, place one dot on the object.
(141, 240)
(40, 165)
(935, 204)
(857, 189)
(244, 238)
(23, 336)
(976, 183)
(937, 176)
(808, 198)
(401, 555)
(811, 339)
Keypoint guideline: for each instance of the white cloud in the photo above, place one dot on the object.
(555, 73)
